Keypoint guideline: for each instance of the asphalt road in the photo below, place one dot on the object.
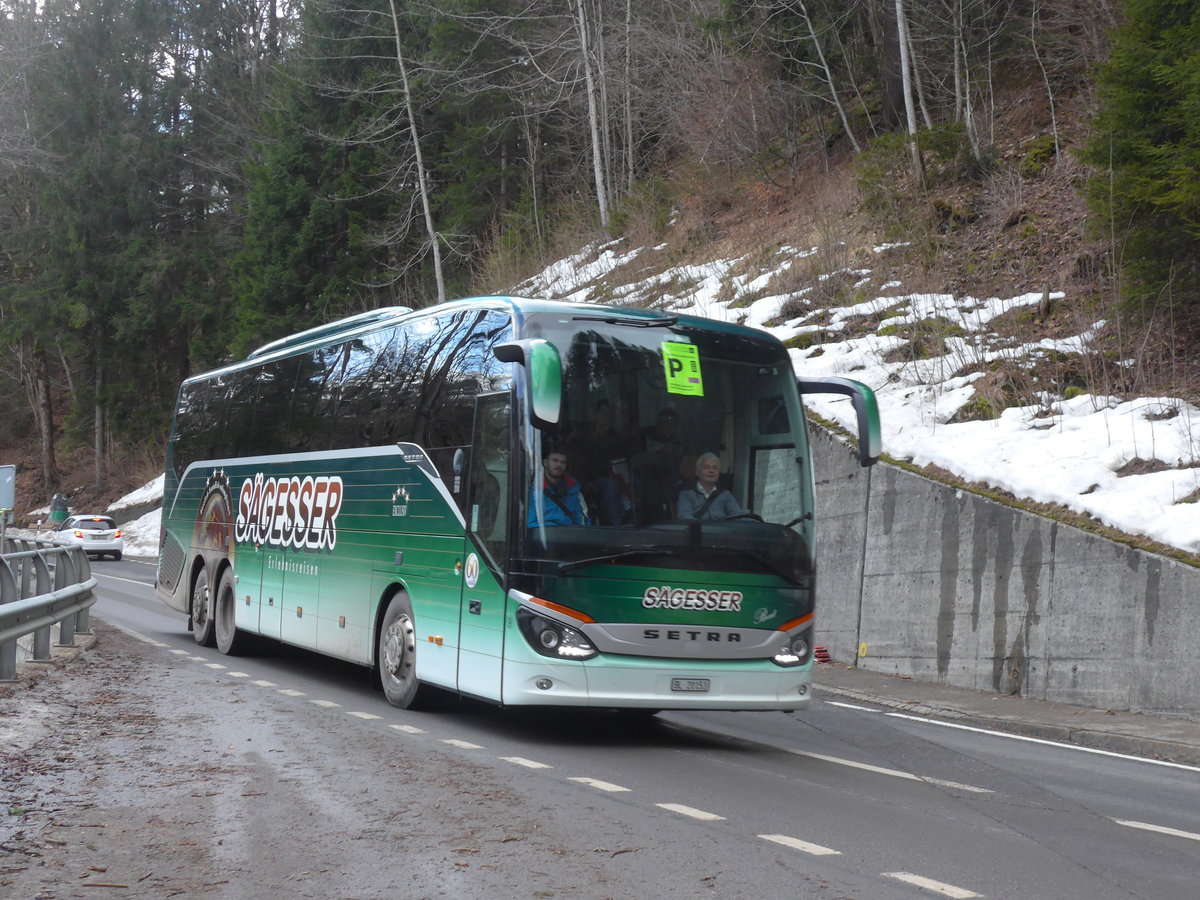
(285, 774)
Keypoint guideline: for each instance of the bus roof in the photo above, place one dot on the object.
(520, 307)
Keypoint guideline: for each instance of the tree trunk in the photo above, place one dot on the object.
(628, 99)
(422, 181)
(44, 412)
(909, 109)
(833, 94)
(100, 433)
(593, 113)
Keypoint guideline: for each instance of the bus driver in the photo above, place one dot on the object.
(706, 499)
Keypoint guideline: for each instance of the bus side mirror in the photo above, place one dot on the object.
(870, 444)
(543, 367)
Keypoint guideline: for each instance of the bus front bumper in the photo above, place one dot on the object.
(652, 683)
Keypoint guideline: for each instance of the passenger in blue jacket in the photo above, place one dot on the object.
(559, 498)
(705, 499)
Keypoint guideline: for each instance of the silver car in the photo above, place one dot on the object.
(98, 535)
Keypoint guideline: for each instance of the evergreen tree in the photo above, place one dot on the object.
(1146, 148)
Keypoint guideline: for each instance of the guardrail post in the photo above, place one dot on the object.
(8, 649)
(83, 571)
(42, 585)
(64, 575)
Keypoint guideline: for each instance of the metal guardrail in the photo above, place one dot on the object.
(41, 585)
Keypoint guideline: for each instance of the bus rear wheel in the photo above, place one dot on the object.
(201, 609)
(397, 655)
(231, 640)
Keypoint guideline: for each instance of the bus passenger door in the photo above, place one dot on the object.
(485, 550)
(270, 596)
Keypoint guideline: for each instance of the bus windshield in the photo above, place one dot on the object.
(680, 446)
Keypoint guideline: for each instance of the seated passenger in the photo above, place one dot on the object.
(559, 498)
(706, 499)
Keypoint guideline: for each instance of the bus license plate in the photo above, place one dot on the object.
(689, 684)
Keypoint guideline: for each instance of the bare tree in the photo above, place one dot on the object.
(584, 28)
(909, 108)
(422, 181)
(833, 93)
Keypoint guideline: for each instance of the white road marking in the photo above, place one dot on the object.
(600, 785)
(213, 666)
(265, 683)
(938, 887)
(1161, 829)
(1043, 741)
(290, 693)
(802, 846)
(328, 704)
(239, 674)
(463, 745)
(851, 706)
(119, 578)
(527, 763)
(196, 658)
(690, 811)
(409, 729)
(894, 773)
(362, 715)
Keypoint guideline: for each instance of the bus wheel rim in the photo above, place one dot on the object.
(399, 645)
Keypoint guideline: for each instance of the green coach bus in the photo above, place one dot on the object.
(488, 497)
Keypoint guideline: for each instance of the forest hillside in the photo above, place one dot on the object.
(184, 182)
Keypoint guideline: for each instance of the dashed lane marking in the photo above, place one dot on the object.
(600, 785)
(409, 729)
(462, 745)
(288, 692)
(327, 704)
(363, 715)
(527, 763)
(265, 683)
(894, 773)
(1160, 829)
(690, 811)
(239, 674)
(214, 666)
(938, 887)
(802, 846)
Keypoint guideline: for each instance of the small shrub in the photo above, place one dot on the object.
(1038, 156)
(977, 409)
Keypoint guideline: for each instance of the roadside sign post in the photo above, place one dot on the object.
(8, 497)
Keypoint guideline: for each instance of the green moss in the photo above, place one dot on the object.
(1038, 156)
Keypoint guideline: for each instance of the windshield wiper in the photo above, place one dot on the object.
(610, 557)
(665, 322)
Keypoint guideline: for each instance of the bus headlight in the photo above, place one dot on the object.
(796, 652)
(554, 639)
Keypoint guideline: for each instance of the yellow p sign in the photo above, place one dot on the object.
(681, 362)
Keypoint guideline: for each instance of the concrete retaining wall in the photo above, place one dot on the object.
(947, 586)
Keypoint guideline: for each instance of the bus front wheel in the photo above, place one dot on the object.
(397, 654)
(231, 640)
(201, 608)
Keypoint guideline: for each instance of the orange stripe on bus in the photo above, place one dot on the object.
(565, 610)
(795, 623)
